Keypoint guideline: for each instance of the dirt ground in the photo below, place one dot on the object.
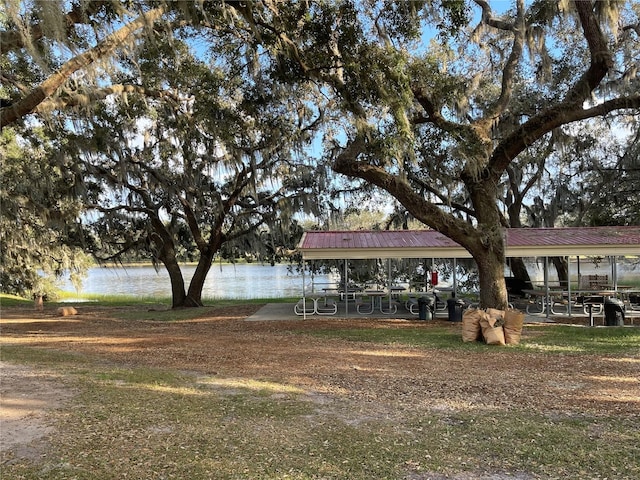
(25, 396)
(383, 379)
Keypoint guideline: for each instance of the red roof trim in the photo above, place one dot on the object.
(516, 237)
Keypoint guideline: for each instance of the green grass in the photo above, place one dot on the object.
(126, 300)
(577, 339)
(136, 301)
(415, 337)
(113, 300)
(548, 338)
(7, 300)
(162, 311)
(39, 356)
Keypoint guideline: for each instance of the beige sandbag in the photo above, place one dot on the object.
(513, 322)
(493, 336)
(496, 315)
(67, 311)
(471, 330)
(491, 326)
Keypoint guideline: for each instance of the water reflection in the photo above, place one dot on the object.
(223, 281)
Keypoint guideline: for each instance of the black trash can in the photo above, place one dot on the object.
(426, 307)
(455, 306)
(613, 312)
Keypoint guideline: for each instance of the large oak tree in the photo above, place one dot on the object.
(178, 148)
(220, 162)
(435, 120)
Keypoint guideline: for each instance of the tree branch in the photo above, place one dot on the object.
(621, 103)
(601, 58)
(117, 208)
(435, 116)
(15, 40)
(542, 124)
(570, 109)
(509, 71)
(78, 98)
(445, 201)
(192, 221)
(217, 236)
(48, 87)
(633, 28)
(428, 213)
(489, 19)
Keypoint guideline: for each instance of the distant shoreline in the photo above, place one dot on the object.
(192, 264)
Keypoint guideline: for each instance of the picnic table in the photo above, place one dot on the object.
(317, 304)
(370, 300)
(560, 301)
(546, 300)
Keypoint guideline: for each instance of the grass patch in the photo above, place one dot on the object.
(7, 300)
(561, 339)
(41, 357)
(112, 300)
(414, 337)
(522, 442)
(576, 339)
(149, 423)
(130, 300)
(158, 311)
(141, 308)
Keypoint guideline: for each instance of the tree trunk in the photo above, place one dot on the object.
(194, 296)
(562, 269)
(487, 246)
(493, 291)
(178, 295)
(519, 270)
(490, 259)
(167, 255)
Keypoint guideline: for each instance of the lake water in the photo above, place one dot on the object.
(224, 281)
(252, 280)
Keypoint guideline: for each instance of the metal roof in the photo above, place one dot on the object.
(520, 242)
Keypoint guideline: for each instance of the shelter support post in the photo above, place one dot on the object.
(304, 296)
(346, 288)
(455, 277)
(546, 286)
(569, 285)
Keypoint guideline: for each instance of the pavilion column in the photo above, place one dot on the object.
(304, 286)
(389, 282)
(569, 285)
(546, 286)
(455, 277)
(346, 288)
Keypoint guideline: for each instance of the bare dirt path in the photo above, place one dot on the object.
(26, 395)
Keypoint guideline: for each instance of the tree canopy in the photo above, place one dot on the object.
(216, 157)
(432, 125)
(39, 231)
(451, 107)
